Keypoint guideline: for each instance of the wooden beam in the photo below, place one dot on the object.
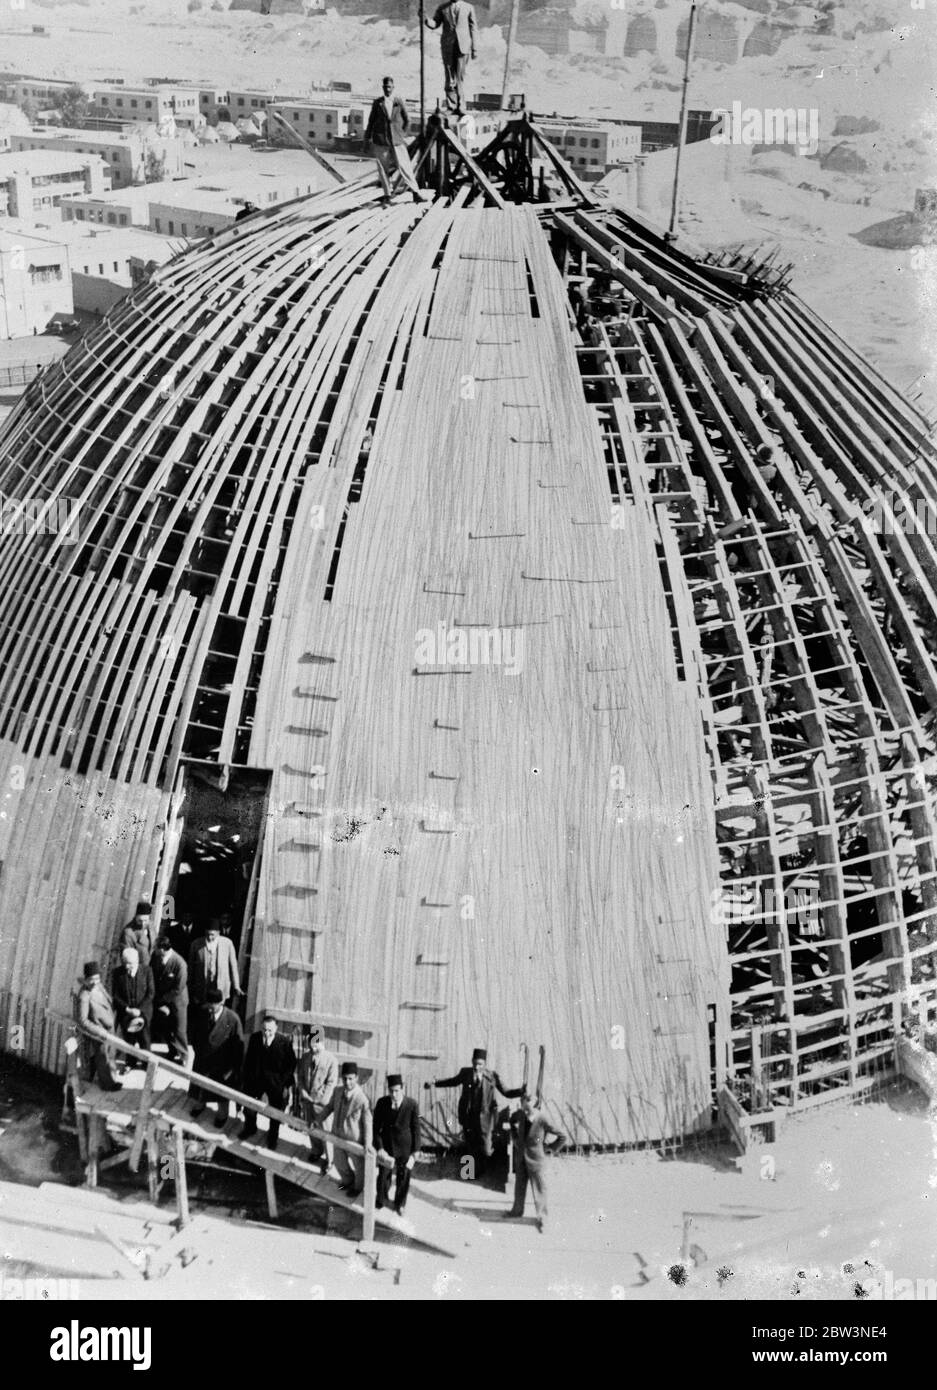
(182, 1191)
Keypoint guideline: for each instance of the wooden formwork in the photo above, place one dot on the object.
(358, 415)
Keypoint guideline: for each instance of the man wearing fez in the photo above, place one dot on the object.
(269, 1070)
(132, 992)
(478, 1105)
(170, 1000)
(396, 1136)
(351, 1119)
(97, 1018)
(137, 932)
(316, 1080)
(213, 964)
(219, 1050)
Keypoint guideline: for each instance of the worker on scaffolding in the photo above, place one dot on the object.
(457, 41)
(386, 133)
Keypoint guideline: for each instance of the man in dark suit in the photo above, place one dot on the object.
(213, 964)
(132, 993)
(269, 1070)
(219, 1050)
(171, 1000)
(396, 1136)
(386, 132)
(456, 19)
(478, 1106)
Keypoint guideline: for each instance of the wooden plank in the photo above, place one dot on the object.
(179, 1175)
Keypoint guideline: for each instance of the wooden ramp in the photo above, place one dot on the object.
(153, 1111)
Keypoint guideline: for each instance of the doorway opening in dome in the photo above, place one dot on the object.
(212, 854)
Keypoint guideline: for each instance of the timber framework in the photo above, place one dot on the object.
(689, 840)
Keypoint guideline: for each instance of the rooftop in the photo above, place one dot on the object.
(44, 162)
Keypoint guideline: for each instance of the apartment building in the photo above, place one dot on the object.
(35, 283)
(322, 123)
(196, 210)
(592, 148)
(103, 262)
(44, 91)
(124, 152)
(33, 183)
(149, 104)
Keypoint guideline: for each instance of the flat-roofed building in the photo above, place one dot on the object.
(44, 91)
(148, 104)
(213, 104)
(35, 283)
(122, 207)
(124, 152)
(591, 147)
(105, 263)
(194, 210)
(34, 182)
(321, 122)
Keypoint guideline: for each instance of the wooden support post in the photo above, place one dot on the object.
(271, 1193)
(152, 1160)
(182, 1191)
(95, 1124)
(370, 1194)
(81, 1125)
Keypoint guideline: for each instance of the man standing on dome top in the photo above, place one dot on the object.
(456, 18)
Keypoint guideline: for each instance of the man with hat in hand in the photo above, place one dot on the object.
(530, 1127)
(269, 1070)
(396, 1136)
(132, 992)
(478, 1106)
(97, 1018)
(351, 1119)
(219, 1050)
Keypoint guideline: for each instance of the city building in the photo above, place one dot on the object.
(322, 123)
(213, 104)
(43, 91)
(243, 103)
(11, 119)
(34, 182)
(198, 209)
(124, 152)
(591, 147)
(122, 207)
(104, 263)
(35, 283)
(149, 104)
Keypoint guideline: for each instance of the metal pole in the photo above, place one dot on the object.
(681, 135)
(422, 70)
(512, 34)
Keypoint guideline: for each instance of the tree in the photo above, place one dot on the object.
(74, 106)
(154, 167)
(29, 109)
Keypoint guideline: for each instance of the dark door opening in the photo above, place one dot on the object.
(215, 874)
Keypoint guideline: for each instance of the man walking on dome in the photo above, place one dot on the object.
(386, 133)
(457, 41)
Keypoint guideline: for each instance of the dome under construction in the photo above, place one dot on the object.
(523, 628)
